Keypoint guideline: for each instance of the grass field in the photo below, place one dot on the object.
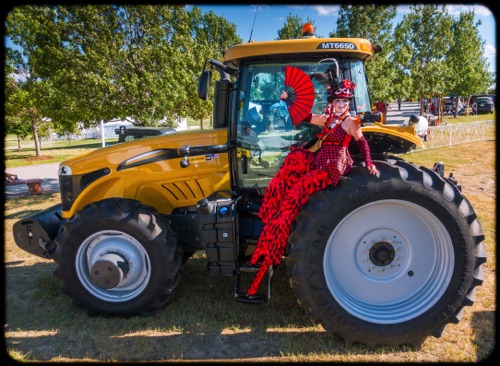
(205, 323)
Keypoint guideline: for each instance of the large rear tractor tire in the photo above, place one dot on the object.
(118, 257)
(387, 260)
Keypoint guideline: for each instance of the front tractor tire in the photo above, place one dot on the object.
(387, 260)
(117, 257)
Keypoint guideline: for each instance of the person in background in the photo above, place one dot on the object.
(399, 104)
(421, 126)
(382, 108)
(247, 136)
(252, 116)
(266, 118)
(460, 105)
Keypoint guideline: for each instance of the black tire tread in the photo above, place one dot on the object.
(156, 227)
(401, 174)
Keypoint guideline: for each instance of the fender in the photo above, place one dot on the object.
(383, 139)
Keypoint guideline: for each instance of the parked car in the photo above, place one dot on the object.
(473, 97)
(484, 105)
(133, 133)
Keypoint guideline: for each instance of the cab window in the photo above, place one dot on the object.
(265, 132)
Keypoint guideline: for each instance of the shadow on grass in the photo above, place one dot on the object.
(35, 202)
(202, 322)
(74, 145)
(50, 153)
(481, 323)
(93, 145)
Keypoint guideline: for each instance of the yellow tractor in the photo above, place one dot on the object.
(380, 260)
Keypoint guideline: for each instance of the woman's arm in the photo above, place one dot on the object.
(353, 128)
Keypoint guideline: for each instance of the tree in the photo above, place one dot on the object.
(105, 61)
(440, 54)
(466, 58)
(423, 39)
(212, 36)
(13, 124)
(27, 93)
(127, 62)
(16, 123)
(374, 23)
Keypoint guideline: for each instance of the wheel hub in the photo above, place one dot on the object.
(382, 253)
(109, 270)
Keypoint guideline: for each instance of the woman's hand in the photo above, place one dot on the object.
(319, 119)
(373, 170)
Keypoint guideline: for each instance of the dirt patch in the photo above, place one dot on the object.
(479, 184)
(474, 173)
(38, 159)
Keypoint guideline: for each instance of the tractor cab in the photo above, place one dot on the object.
(247, 100)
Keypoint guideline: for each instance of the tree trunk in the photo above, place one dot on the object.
(35, 133)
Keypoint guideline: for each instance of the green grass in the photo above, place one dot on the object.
(463, 119)
(51, 151)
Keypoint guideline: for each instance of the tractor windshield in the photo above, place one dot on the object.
(264, 127)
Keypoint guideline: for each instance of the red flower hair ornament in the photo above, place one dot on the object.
(344, 91)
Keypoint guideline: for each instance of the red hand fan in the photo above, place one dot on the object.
(300, 91)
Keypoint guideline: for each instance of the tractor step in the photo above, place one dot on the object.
(244, 297)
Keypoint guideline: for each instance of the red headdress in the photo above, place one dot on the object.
(343, 91)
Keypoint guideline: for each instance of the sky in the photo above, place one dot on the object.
(261, 22)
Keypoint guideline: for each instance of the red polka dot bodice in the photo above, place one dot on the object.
(333, 157)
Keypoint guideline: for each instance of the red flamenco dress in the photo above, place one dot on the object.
(302, 174)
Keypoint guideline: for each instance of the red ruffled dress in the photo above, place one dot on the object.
(301, 174)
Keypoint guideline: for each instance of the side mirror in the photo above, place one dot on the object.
(203, 84)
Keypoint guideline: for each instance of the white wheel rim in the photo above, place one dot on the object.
(382, 285)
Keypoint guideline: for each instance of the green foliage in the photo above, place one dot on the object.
(16, 122)
(440, 54)
(372, 22)
(466, 57)
(426, 40)
(26, 94)
(87, 63)
(428, 53)
(107, 61)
